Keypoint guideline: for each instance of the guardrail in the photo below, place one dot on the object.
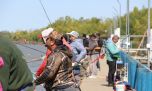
(139, 75)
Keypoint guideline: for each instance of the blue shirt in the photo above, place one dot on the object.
(78, 50)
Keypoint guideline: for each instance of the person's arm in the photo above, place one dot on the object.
(66, 44)
(82, 53)
(51, 69)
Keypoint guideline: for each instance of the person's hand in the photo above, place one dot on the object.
(74, 64)
(36, 76)
(64, 41)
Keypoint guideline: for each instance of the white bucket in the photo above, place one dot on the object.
(120, 87)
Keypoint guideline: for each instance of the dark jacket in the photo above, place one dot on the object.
(58, 70)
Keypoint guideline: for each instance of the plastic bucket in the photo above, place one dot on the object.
(120, 86)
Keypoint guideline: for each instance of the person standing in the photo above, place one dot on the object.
(100, 44)
(57, 74)
(93, 55)
(112, 54)
(15, 74)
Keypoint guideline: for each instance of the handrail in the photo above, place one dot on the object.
(141, 49)
(142, 65)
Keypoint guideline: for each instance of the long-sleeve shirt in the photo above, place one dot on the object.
(92, 45)
(42, 66)
(111, 50)
(58, 70)
(15, 72)
(78, 50)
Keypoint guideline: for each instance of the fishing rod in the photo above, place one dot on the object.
(47, 19)
(45, 11)
(49, 22)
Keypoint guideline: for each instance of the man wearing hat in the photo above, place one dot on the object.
(57, 74)
(79, 52)
(112, 55)
(44, 34)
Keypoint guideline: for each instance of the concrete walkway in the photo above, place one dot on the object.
(99, 83)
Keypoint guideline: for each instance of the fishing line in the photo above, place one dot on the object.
(49, 22)
(45, 11)
(31, 48)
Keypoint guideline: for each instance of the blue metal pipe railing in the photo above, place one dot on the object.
(139, 75)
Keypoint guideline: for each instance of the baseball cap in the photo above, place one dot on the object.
(74, 33)
(45, 33)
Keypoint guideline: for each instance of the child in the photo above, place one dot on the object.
(1, 65)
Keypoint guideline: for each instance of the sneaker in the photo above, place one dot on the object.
(110, 85)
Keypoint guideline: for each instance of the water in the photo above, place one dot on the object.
(33, 57)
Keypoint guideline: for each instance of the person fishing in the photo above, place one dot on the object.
(79, 52)
(57, 74)
(45, 33)
(112, 54)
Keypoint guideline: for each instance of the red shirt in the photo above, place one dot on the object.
(42, 66)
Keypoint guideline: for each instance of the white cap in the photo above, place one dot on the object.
(74, 33)
(45, 33)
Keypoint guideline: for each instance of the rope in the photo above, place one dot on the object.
(100, 56)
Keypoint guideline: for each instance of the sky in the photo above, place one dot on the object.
(29, 15)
